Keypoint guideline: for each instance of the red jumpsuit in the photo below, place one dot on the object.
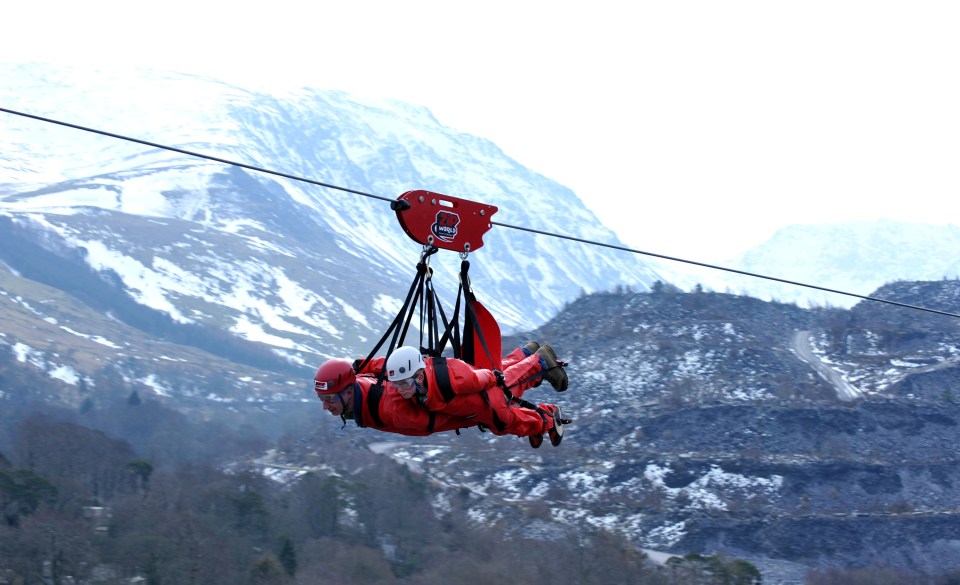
(396, 415)
(476, 396)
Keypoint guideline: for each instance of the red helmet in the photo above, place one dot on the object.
(333, 376)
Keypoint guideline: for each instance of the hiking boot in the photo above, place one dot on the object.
(556, 431)
(531, 347)
(536, 440)
(553, 373)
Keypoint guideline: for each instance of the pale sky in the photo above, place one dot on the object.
(693, 129)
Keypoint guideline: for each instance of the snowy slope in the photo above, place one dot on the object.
(309, 270)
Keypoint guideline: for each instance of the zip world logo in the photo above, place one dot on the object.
(445, 228)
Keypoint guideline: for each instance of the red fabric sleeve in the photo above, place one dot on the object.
(466, 380)
(406, 417)
(373, 366)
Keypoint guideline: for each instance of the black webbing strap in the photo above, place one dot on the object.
(406, 311)
(418, 299)
(432, 423)
(523, 403)
(520, 401)
(442, 375)
(428, 312)
(374, 394)
(470, 322)
(530, 405)
(432, 310)
(499, 424)
(357, 406)
(451, 328)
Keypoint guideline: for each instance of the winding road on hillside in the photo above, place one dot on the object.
(804, 350)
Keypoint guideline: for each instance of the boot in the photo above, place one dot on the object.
(553, 373)
(556, 431)
(531, 347)
(536, 440)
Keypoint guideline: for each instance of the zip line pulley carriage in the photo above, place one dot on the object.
(437, 222)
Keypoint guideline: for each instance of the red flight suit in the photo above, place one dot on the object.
(392, 414)
(476, 396)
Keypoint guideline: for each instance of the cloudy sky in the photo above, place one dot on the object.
(693, 128)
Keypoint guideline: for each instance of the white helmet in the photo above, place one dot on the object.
(403, 363)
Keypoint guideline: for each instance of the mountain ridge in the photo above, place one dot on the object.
(854, 257)
(306, 235)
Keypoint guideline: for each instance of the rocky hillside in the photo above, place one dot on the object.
(699, 427)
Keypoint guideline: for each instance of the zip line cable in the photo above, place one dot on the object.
(192, 153)
(733, 270)
(531, 230)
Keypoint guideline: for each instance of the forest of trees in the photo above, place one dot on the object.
(80, 505)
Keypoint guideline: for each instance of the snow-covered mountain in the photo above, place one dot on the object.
(310, 271)
(855, 257)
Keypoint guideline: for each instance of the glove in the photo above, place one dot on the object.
(500, 379)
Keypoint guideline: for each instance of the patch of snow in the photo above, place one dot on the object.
(667, 535)
(66, 374)
(387, 305)
(94, 338)
(152, 382)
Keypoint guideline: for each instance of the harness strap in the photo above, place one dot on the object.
(401, 322)
(451, 328)
(442, 376)
(499, 424)
(373, 402)
(438, 328)
(471, 326)
(543, 413)
(525, 404)
(357, 406)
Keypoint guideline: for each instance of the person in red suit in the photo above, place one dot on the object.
(453, 387)
(347, 395)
